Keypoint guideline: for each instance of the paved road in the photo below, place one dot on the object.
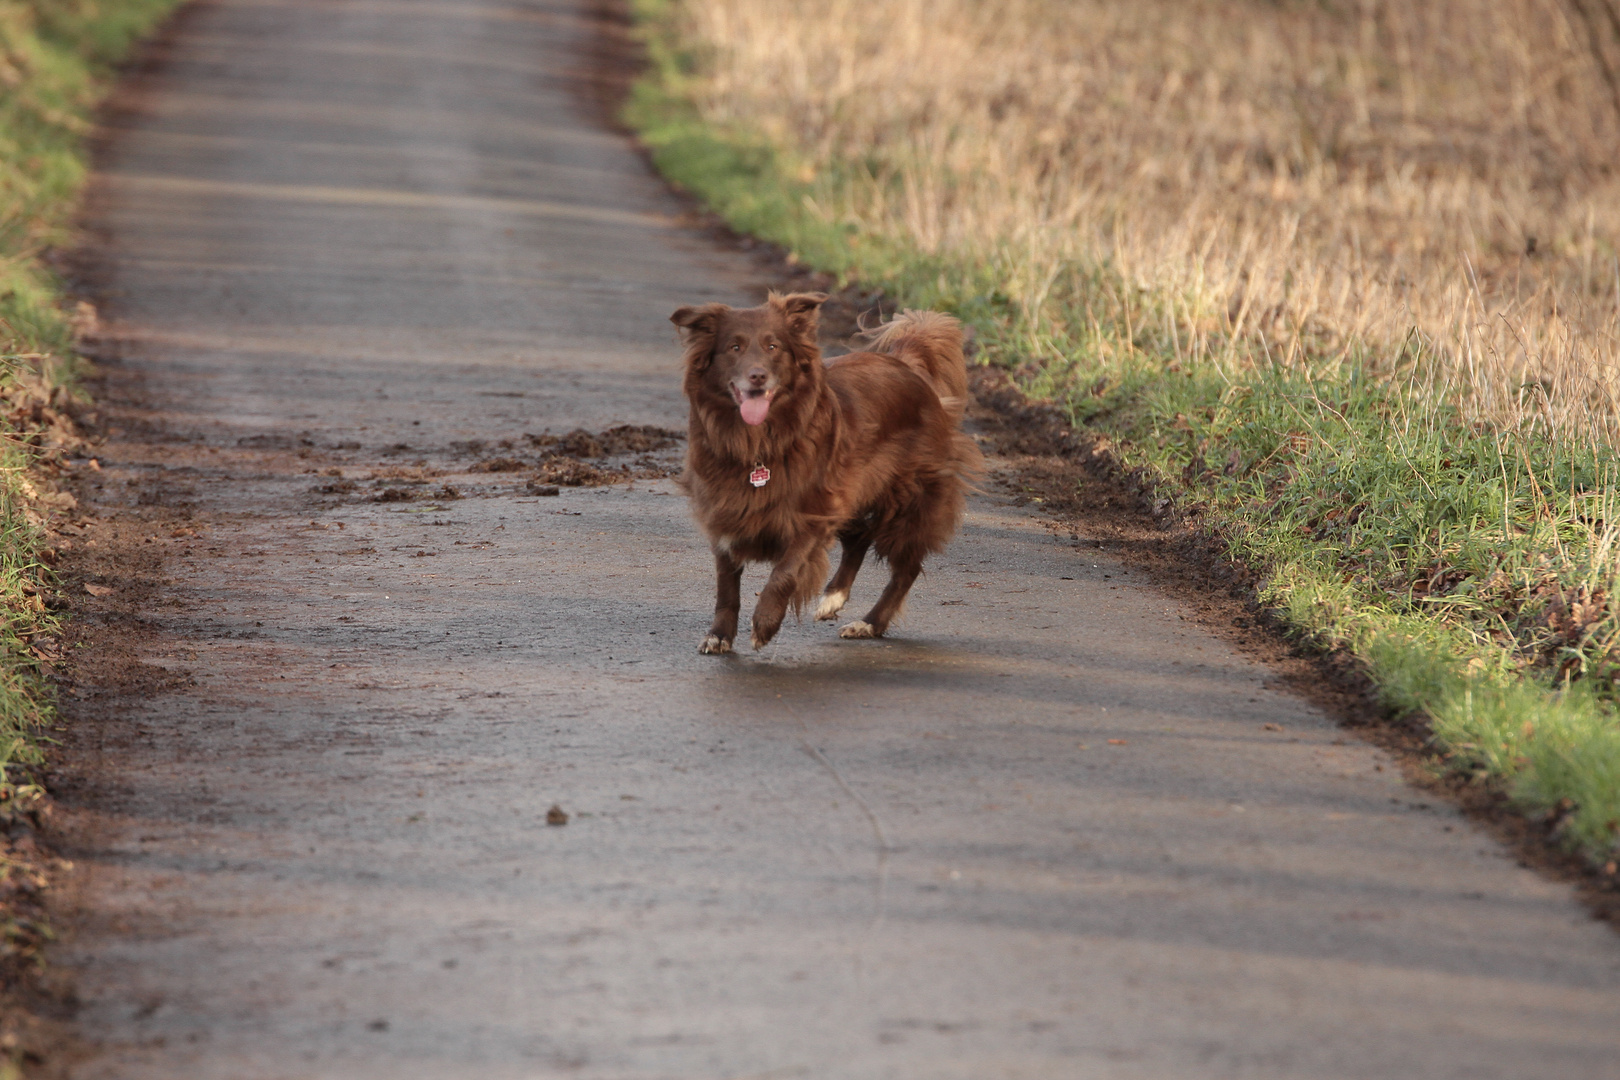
(1050, 829)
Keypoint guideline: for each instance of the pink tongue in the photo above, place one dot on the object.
(754, 409)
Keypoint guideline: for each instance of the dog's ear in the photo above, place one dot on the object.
(802, 309)
(699, 319)
(698, 325)
(801, 312)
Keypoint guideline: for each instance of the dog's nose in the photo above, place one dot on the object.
(757, 377)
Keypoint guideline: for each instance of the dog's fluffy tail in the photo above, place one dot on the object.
(930, 343)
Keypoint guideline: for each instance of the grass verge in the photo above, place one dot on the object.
(1470, 567)
(56, 59)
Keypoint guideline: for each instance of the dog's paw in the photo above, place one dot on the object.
(714, 645)
(860, 628)
(831, 605)
(759, 640)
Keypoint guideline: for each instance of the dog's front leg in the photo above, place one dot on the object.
(727, 603)
(787, 584)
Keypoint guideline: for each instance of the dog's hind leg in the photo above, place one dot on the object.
(904, 566)
(849, 564)
(905, 540)
(727, 602)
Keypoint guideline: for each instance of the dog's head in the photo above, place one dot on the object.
(752, 359)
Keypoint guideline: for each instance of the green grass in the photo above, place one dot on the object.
(56, 60)
(55, 56)
(1471, 570)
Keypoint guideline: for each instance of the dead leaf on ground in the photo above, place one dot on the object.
(99, 590)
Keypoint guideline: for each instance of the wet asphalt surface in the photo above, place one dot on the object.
(1050, 828)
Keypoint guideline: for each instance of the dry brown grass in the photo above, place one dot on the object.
(1319, 174)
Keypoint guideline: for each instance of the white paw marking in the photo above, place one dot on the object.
(857, 629)
(831, 605)
(713, 645)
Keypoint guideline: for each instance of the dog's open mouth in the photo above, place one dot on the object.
(753, 404)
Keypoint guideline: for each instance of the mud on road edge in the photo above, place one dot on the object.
(37, 1002)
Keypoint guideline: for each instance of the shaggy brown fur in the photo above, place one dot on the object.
(864, 449)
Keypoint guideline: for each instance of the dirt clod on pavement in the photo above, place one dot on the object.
(621, 441)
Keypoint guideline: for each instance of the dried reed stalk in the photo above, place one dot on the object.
(1334, 179)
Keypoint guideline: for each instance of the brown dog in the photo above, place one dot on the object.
(787, 453)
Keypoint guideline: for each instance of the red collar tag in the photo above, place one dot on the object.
(760, 476)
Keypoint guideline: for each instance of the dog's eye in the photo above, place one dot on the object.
(771, 347)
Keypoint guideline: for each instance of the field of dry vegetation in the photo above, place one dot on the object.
(1322, 174)
(1342, 275)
